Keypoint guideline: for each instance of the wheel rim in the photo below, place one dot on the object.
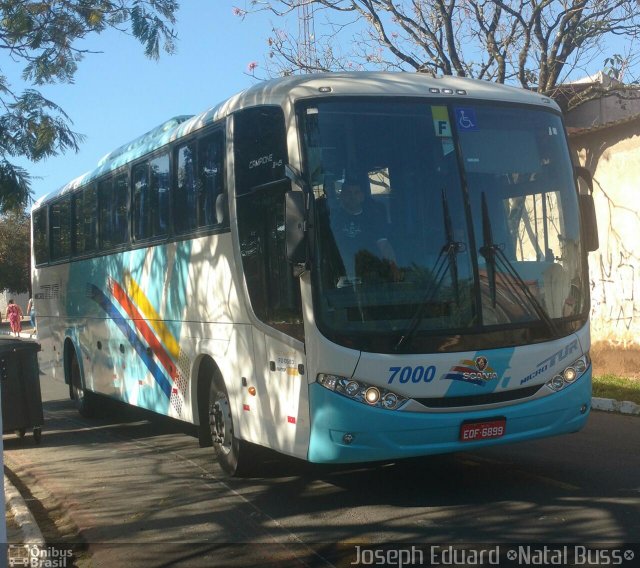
(220, 423)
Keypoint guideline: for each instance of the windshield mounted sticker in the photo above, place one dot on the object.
(477, 372)
(442, 127)
(466, 119)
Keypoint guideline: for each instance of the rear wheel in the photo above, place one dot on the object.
(231, 452)
(85, 401)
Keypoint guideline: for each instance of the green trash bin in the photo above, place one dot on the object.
(20, 387)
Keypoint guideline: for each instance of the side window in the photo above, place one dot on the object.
(141, 206)
(260, 155)
(84, 221)
(212, 205)
(159, 189)
(40, 240)
(113, 195)
(121, 209)
(151, 198)
(185, 198)
(60, 228)
(105, 192)
(260, 147)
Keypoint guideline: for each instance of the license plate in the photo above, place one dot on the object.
(486, 430)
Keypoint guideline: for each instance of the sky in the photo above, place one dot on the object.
(120, 94)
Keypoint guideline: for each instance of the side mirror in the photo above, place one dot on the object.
(295, 227)
(587, 210)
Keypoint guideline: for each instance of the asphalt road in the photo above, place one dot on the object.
(134, 489)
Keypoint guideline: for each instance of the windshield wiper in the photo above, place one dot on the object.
(495, 258)
(446, 262)
(452, 248)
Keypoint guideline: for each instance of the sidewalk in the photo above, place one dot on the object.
(22, 527)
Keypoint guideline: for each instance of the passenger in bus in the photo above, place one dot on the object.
(360, 228)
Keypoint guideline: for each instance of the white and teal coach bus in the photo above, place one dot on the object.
(340, 267)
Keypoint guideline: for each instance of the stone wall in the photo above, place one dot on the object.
(612, 155)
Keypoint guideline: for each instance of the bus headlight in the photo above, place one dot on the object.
(372, 395)
(570, 374)
(359, 391)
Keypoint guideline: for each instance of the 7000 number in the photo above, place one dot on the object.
(414, 374)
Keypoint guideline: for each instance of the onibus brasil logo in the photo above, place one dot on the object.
(477, 371)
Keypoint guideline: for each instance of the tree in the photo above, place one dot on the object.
(536, 43)
(43, 37)
(15, 269)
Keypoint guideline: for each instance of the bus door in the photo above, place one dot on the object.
(276, 414)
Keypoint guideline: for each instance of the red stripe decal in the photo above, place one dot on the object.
(143, 327)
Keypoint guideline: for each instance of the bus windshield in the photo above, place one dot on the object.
(436, 222)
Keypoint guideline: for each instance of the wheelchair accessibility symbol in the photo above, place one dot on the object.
(466, 119)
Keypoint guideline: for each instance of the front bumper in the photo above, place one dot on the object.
(379, 434)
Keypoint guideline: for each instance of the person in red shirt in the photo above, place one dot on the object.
(14, 315)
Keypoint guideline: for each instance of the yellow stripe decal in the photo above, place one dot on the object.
(149, 312)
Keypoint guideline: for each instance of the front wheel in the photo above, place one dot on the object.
(232, 453)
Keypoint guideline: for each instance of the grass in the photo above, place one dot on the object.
(616, 387)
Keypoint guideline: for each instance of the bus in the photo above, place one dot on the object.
(349, 267)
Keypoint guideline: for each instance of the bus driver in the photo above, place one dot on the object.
(360, 229)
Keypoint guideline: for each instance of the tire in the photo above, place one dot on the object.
(232, 453)
(84, 400)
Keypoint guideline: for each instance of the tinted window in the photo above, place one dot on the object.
(141, 207)
(260, 147)
(151, 198)
(212, 207)
(40, 240)
(60, 226)
(273, 290)
(85, 207)
(113, 197)
(159, 195)
(185, 200)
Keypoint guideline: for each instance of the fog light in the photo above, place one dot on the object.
(580, 366)
(390, 400)
(557, 382)
(583, 408)
(569, 374)
(352, 388)
(372, 395)
(348, 438)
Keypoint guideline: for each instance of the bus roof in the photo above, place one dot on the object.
(296, 87)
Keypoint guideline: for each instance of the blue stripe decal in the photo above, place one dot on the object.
(105, 303)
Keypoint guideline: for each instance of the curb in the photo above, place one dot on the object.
(24, 519)
(611, 405)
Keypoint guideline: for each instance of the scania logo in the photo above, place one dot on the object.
(481, 362)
